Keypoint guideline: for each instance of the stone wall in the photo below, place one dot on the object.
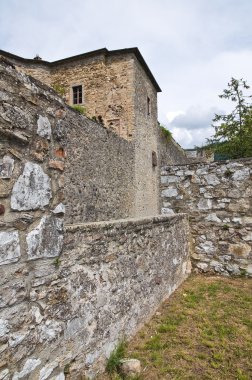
(170, 152)
(68, 312)
(68, 295)
(107, 85)
(147, 170)
(91, 168)
(37, 70)
(217, 197)
(117, 91)
(99, 171)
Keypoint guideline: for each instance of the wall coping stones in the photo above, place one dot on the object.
(124, 223)
(212, 164)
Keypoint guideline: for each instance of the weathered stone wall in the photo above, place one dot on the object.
(170, 152)
(69, 312)
(99, 172)
(116, 91)
(92, 168)
(37, 70)
(146, 142)
(217, 197)
(68, 295)
(107, 85)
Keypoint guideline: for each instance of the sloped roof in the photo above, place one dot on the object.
(93, 53)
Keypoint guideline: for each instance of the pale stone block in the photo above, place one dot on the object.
(167, 211)
(4, 327)
(59, 209)
(205, 204)
(130, 367)
(241, 175)
(9, 247)
(29, 366)
(213, 218)
(44, 127)
(212, 179)
(46, 240)
(169, 193)
(32, 189)
(4, 375)
(6, 167)
(46, 371)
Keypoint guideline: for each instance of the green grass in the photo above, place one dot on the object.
(79, 109)
(115, 357)
(203, 331)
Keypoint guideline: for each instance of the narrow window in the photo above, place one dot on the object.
(77, 95)
(148, 106)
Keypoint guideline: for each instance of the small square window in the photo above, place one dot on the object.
(77, 95)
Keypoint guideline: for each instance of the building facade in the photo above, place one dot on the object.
(117, 89)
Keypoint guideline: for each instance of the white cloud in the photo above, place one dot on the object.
(190, 138)
(192, 47)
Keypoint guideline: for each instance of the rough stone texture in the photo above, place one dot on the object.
(217, 197)
(99, 173)
(116, 90)
(46, 239)
(68, 308)
(6, 167)
(94, 174)
(109, 279)
(32, 190)
(170, 152)
(44, 127)
(9, 247)
(130, 367)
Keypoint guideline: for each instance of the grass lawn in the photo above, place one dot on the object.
(204, 331)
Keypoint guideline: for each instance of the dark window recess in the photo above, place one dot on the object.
(77, 95)
(148, 106)
(154, 159)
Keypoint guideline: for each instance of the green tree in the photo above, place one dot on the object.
(233, 132)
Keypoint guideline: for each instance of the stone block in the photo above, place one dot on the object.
(213, 218)
(6, 167)
(130, 367)
(204, 204)
(44, 127)
(169, 193)
(212, 179)
(9, 247)
(29, 366)
(46, 240)
(240, 249)
(59, 165)
(241, 175)
(32, 190)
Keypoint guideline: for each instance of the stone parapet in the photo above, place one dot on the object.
(72, 310)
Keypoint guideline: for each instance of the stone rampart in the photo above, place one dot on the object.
(69, 311)
(170, 152)
(217, 198)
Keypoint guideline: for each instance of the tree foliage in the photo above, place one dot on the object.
(233, 132)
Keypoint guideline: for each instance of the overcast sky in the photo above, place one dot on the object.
(193, 47)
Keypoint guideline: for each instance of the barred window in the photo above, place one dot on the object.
(77, 95)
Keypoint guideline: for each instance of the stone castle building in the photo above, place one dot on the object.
(117, 89)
